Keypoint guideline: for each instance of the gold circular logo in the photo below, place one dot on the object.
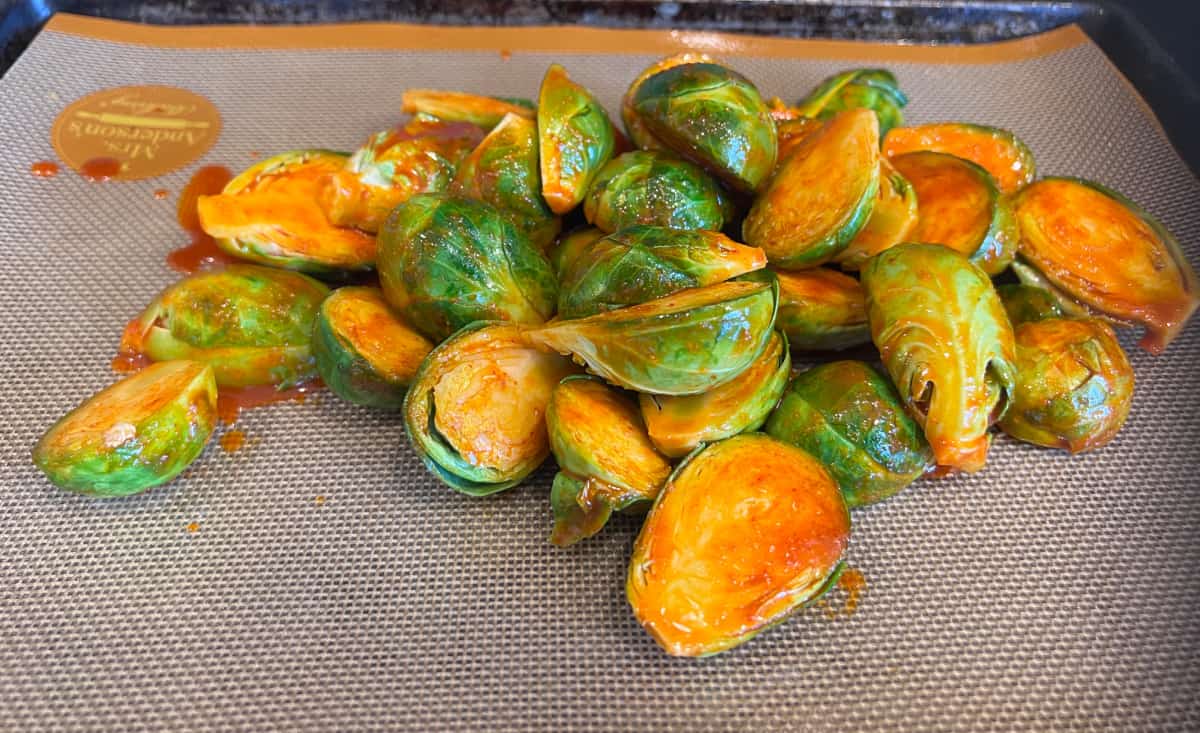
(135, 132)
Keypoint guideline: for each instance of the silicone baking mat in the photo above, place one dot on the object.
(1047, 592)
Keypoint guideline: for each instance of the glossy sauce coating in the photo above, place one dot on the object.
(362, 320)
(954, 205)
(997, 151)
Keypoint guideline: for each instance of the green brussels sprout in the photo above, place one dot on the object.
(606, 461)
(997, 151)
(364, 353)
(960, 206)
(1074, 385)
(271, 214)
(678, 425)
(873, 89)
(713, 116)
(892, 219)
(392, 166)
(1070, 307)
(639, 134)
(649, 187)
(485, 112)
(1100, 249)
(745, 532)
(849, 417)
(642, 263)
(575, 139)
(503, 171)
(252, 324)
(133, 435)
(570, 246)
(946, 343)
(445, 262)
(685, 343)
(475, 410)
(1025, 303)
(821, 196)
(822, 310)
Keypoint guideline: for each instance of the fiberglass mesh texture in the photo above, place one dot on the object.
(1046, 592)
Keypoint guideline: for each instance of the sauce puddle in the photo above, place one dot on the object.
(98, 170)
(202, 252)
(44, 169)
(232, 400)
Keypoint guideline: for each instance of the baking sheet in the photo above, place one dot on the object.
(1046, 592)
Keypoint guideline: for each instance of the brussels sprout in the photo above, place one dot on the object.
(713, 116)
(485, 112)
(946, 343)
(1102, 250)
(677, 425)
(745, 531)
(892, 220)
(271, 214)
(1025, 303)
(445, 262)
(642, 263)
(873, 89)
(638, 132)
(607, 462)
(685, 343)
(252, 324)
(575, 139)
(570, 246)
(649, 187)
(822, 310)
(1070, 307)
(821, 196)
(848, 416)
(503, 171)
(420, 157)
(363, 351)
(959, 206)
(475, 410)
(997, 151)
(791, 133)
(133, 435)
(1074, 385)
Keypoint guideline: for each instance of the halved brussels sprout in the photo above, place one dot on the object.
(271, 214)
(598, 439)
(959, 206)
(1070, 307)
(364, 353)
(1026, 303)
(873, 89)
(133, 435)
(392, 166)
(792, 132)
(892, 219)
(678, 425)
(685, 343)
(946, 342)
(575, 139)
(570, 246)
(445, 262)
(997, 151)
(849, 417)
(822, 195)
(642, 263)
(822, 310)
(485, 112)
(503, 171)
(650, 187)
(1101, 249)
(713, 116)
(475, 412)
(252, 324)
(1074, 385)
(745, 532)
(639, 134)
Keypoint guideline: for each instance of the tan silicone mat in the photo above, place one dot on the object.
(1045, 593)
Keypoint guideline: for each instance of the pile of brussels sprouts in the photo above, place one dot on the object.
(648, 348)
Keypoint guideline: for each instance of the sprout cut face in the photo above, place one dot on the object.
(997, 151)
(575, 139)
(892, 221)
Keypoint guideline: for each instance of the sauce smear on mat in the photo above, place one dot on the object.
(44, 169)
(202, 252)
(233, 441)
(232, 400)
(97, 170)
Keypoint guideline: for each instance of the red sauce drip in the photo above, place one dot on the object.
(127, 362)
(194, 527)
(202, 252)
(233, 441)
(232, 400)
(505, 54)
(320, 500)
(100, 169)
(254, 153)
(44, 169)
(854, 583)
(939, 472)
(161, 193)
